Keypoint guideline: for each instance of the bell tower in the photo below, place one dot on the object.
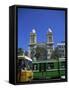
(49, 43)
(33, 37)
(33, 42)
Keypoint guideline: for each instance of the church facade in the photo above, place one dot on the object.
(41, 50)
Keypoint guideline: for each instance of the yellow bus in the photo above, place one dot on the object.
(24, 65)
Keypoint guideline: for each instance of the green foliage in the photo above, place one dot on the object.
(55, 54)
(20, 51)
(26, 53)
(41, 53)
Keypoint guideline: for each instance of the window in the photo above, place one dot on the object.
(21, 64)
(28, 65)
(35, 67)
(32, 39)
(42, 67)
(50, 66)
(59, 46)
(62, 64)
(50, 39)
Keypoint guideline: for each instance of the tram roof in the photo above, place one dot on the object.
(26, 57)
(50, 61)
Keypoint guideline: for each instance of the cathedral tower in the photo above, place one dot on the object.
(33, 37)
(49, 43)
(33, 42)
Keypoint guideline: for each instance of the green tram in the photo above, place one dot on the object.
(49, 69)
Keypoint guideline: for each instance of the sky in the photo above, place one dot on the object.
(40, 20)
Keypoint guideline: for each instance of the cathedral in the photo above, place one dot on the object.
(41, 51)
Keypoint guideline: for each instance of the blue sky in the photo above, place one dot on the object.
(41, 20)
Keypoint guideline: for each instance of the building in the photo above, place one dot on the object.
(49, 43)
(33, 42)
(46, 46)
(61, 49)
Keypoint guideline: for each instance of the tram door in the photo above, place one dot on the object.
(42, 69)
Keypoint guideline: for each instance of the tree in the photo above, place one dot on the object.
(20, 51)
(41, 53)
(55, 54)
(26, 53)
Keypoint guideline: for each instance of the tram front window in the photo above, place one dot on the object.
(25, 64)
(21, 64)
(28, 65)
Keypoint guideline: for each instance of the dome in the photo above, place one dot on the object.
(33, 31)
(49, 30)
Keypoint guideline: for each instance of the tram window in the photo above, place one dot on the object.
(42, 66)
(35, 67)
(28, 65)
(24, 64)
(62, 64)
(21, 64)
(50, 66)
